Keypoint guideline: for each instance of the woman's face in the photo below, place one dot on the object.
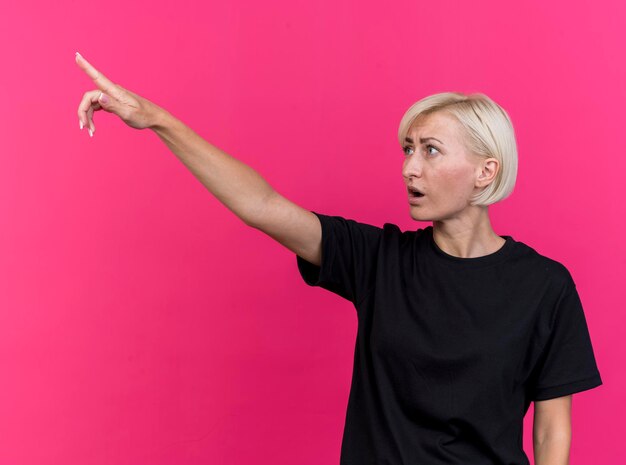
(438, 164)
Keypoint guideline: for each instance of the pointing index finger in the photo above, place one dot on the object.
(98, 78)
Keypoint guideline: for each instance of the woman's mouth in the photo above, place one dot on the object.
(415, 193)
(415, 197)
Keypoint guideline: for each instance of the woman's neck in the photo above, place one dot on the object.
(467, 236)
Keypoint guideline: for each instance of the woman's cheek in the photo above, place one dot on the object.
(457, 183)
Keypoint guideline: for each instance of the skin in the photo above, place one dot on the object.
(449, 174)
(552, 431)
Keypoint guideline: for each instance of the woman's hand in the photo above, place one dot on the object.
(135, 111)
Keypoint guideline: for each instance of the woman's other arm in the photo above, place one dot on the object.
(552, 431)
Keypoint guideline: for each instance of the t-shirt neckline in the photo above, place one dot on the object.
(496, 257)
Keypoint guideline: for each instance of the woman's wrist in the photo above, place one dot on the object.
(161, 120)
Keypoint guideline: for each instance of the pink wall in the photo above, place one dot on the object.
(142, 322)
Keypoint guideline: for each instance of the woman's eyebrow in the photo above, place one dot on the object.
(423, 139)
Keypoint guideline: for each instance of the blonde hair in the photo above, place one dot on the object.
(488, 132)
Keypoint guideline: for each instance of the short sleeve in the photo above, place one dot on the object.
(567, 364)
(349, 257)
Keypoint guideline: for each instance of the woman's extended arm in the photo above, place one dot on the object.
(243, 190)
(239, 187)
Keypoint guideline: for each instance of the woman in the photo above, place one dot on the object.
(459, 328)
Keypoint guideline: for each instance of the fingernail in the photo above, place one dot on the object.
(78, 54)
(103, 98)
(90, 133)
(81, 125)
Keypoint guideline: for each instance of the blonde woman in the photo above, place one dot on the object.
(459, 328)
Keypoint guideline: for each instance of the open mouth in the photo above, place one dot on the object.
(413, 193)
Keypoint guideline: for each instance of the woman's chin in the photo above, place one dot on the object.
(417, 215)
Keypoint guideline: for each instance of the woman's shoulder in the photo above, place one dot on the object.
(534, 261)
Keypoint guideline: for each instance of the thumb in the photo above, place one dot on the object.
(104, 100)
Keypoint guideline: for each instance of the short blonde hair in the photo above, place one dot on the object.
(489, 133)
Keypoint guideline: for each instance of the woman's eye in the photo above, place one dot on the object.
(428, 147)
(405, 149)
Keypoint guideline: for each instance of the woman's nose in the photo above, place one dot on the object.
(412, 167)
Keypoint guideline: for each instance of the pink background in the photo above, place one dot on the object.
(142, 322)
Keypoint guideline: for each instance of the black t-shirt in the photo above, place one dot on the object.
(449, 351)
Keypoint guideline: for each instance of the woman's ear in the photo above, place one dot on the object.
(488, 169)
